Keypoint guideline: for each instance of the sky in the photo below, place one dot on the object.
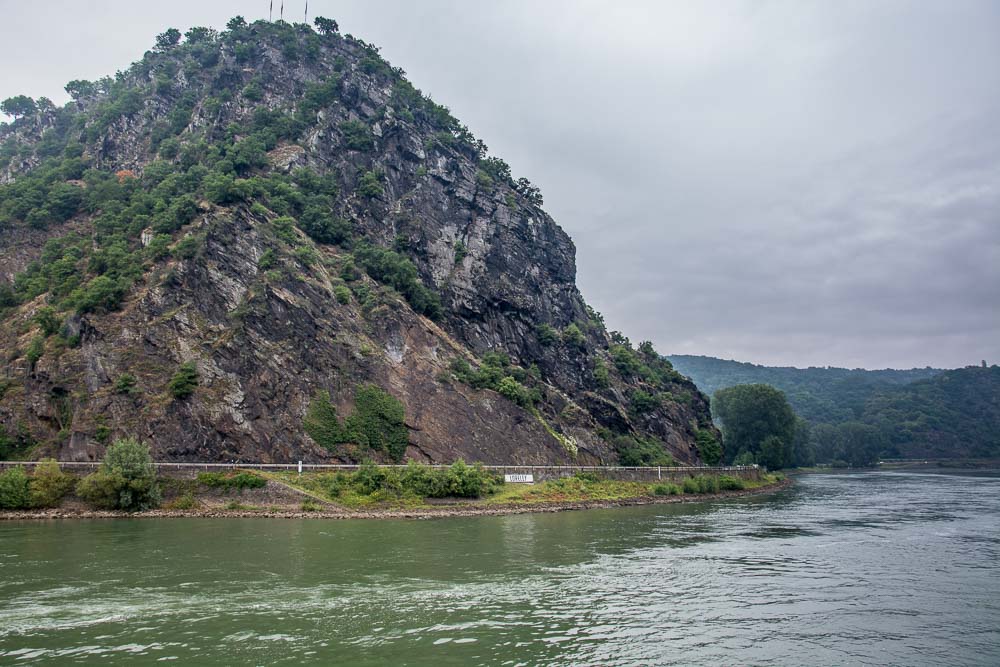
(789, 183)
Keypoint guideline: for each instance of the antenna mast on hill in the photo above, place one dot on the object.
(270, 12)
(281, 15)
(305, 16)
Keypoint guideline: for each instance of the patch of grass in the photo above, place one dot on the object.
(233, 505)
(231, 481)
(185, 502)
(311, 506)
(568, 489)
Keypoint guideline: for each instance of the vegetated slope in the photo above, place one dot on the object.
(953, 415)
(822, 395)
(858, 416)
(265, 244)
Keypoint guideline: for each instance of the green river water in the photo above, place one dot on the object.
(867, 568)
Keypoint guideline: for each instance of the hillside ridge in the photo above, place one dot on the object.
(265, 244)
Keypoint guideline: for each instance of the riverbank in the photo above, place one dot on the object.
(482, 507)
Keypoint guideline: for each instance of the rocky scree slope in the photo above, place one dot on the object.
(264, 244)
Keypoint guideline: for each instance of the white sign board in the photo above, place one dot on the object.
(519, 479)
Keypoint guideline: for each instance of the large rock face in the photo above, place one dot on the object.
(261, 307)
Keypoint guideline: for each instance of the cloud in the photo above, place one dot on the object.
(796, 183)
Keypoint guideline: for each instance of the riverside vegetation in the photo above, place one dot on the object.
(126, 481)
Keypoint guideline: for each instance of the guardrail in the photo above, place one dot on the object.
(538, 472)
(354, 466)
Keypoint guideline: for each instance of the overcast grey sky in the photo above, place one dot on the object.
(787, 182)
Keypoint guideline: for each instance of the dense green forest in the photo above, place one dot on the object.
(818, 395)
(856, 417)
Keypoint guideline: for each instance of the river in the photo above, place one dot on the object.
(860, 568)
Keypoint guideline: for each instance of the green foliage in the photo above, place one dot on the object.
(49, 485)
(183, 502)
(514, 391)
(322, 424)
(751, 415)
(495, 170)
(326, 26)
(324, 227)
(377, 423)
(168, 39)
(638, 451)
(602, 378)
(231, 481)
(497, 373)
(306, 255)
(342, 293)
(730, 483)
(16, 445)
(370, 184)
(15, 490)
(253, 91)
(35, 350)
(851, 443)
(709, 449)
(626, 360)
(458, 480)
(666, 490)
(641, 402)
(547, 335)
(395, 270)
(184, 381)
(125, 384)
(357, 135)
(819, 395)
(19, 105)
(701, 484)
(572, 336)
(125, 481)
(954, 414)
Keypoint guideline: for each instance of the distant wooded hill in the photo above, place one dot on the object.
(921, 412)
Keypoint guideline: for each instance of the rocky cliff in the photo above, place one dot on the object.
(265, 244)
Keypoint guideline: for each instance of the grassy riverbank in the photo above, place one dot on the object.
(416, 492)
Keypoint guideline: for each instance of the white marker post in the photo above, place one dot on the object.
(300, 468)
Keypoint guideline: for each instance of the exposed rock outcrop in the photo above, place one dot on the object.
(262, 309)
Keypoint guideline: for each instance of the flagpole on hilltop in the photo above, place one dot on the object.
(305, 17)
(270, 13)
(281, 14)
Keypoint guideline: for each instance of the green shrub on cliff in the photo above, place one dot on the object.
(498, 374)
(547, 334)
(637, 451)
(126, 479)
(184, 381)
(377, 423)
